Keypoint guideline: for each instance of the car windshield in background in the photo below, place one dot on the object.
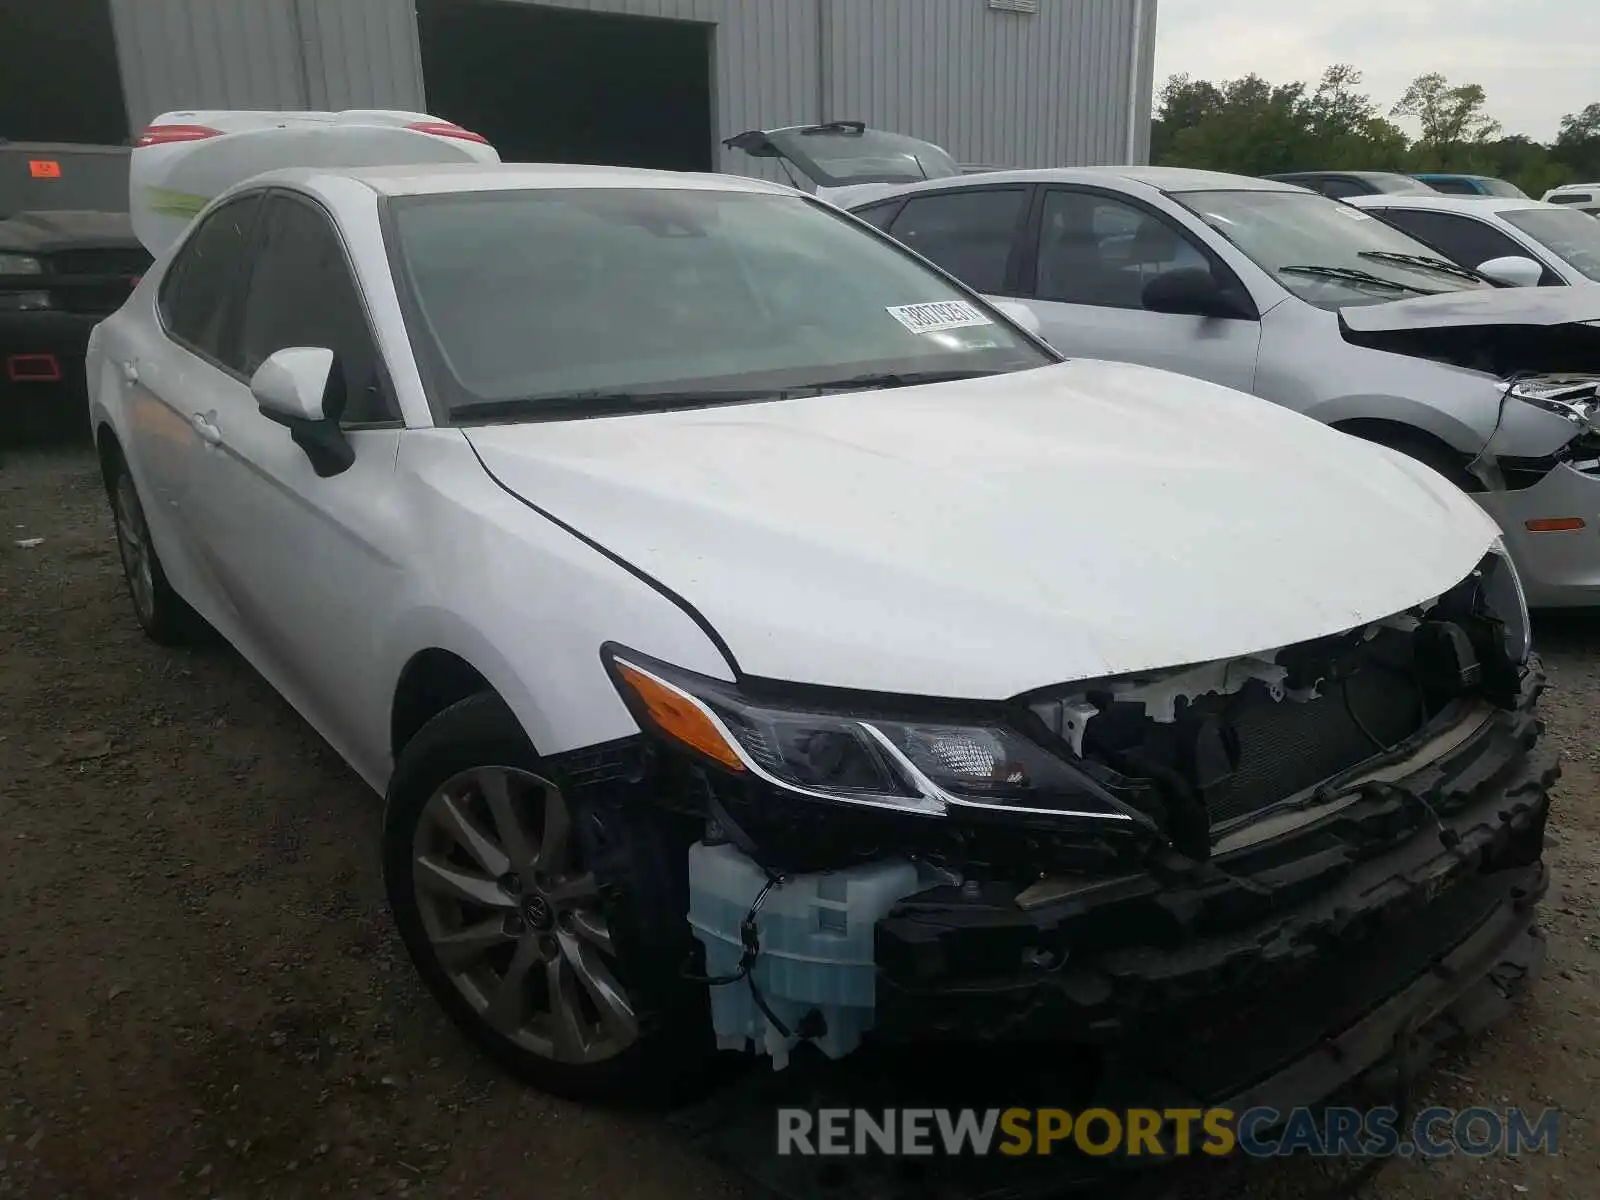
(549, 303)
(1573, 235)
(63, 179)
(1328, 253)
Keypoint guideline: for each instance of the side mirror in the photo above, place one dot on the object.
(1021, 314)
(1189, 292)
(302, 389)
(1513, 270)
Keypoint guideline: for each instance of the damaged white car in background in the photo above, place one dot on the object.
(1279, 291)
(763, 642)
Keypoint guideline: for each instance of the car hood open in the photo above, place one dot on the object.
(1485, 306)
(981, 538)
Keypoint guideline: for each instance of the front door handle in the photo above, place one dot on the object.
(205, 427)
(130, 372)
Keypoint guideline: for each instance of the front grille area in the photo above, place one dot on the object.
(1285, 746)
(100, 261)
(1344, 700)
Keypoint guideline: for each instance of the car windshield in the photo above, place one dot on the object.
(541, 304)
(1499, 187)
(1572, 235)
(1327, 253)
(835, 156)
(62, 179)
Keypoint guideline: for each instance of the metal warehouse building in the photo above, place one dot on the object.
(642, 82)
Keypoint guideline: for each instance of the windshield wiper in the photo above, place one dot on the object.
(1352, 275)
(602, 404)
(888, 379)
(1425, 260)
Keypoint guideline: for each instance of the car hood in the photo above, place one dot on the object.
(1483, 306)
(981, 538)
(43, 232)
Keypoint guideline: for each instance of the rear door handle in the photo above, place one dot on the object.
(208, 431)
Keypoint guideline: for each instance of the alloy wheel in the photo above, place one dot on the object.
(514, 920)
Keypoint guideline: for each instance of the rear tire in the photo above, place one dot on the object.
(490, 875)
(161, 612)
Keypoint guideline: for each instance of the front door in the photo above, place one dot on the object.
(310, 563)
(1085, 280)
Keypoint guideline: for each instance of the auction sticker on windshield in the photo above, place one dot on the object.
(938, 315)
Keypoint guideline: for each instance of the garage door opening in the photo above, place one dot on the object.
(557, 85)
(60, 82)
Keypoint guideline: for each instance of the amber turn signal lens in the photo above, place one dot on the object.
(679, 717)
(1553, 524)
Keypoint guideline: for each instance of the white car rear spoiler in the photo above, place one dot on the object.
(183, 160)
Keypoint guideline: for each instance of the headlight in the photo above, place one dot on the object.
(915, 765)
(1574, 398)
(19, 264)
(1503, 595)
(29, 301)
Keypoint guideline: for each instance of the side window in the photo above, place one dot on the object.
(1462, 239)
(968, 233)
(879, 214)
(198, 289)
(301, 293)
(1099, 250)
(1340, 188)
(1572, 198)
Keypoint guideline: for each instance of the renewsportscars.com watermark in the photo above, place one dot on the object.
(1171, 1132)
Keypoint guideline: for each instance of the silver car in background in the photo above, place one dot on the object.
(1312, 304)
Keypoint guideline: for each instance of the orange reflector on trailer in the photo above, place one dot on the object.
(1553, 524)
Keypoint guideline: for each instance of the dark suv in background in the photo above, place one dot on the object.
(68, 258)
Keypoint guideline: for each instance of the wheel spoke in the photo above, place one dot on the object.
(446, 880)
(509, 1001)
(566, 1011)
(596, 979)
(591, 927)
(495, 785)
(575, 890)
(551, 857)
(460, 825)
(463, 947)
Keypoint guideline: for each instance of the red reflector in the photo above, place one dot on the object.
(160, 135)
(44, 168)
(1553, 524)
(33, 368)
(448, 129)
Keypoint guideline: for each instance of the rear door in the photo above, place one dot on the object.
(1087, 259)
(308, 562)
(169, 364)
(974, 233)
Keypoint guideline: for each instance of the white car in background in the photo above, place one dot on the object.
(1558, 244)
(760, 639)
(1585, 197)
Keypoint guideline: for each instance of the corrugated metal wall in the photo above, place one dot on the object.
(993, 87)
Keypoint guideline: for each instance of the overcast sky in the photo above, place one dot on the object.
(1537, 59)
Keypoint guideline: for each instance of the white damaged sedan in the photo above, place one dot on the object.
(761, 640)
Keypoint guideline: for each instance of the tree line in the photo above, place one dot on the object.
(1252, 127)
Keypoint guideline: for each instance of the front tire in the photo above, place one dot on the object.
(161, 612)
(488, 869)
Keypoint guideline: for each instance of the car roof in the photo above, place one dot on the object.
(1453, 175)
(1443, 202)
(419, 179)
(1164, 179)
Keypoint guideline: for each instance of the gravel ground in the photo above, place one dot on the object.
(200, 992)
